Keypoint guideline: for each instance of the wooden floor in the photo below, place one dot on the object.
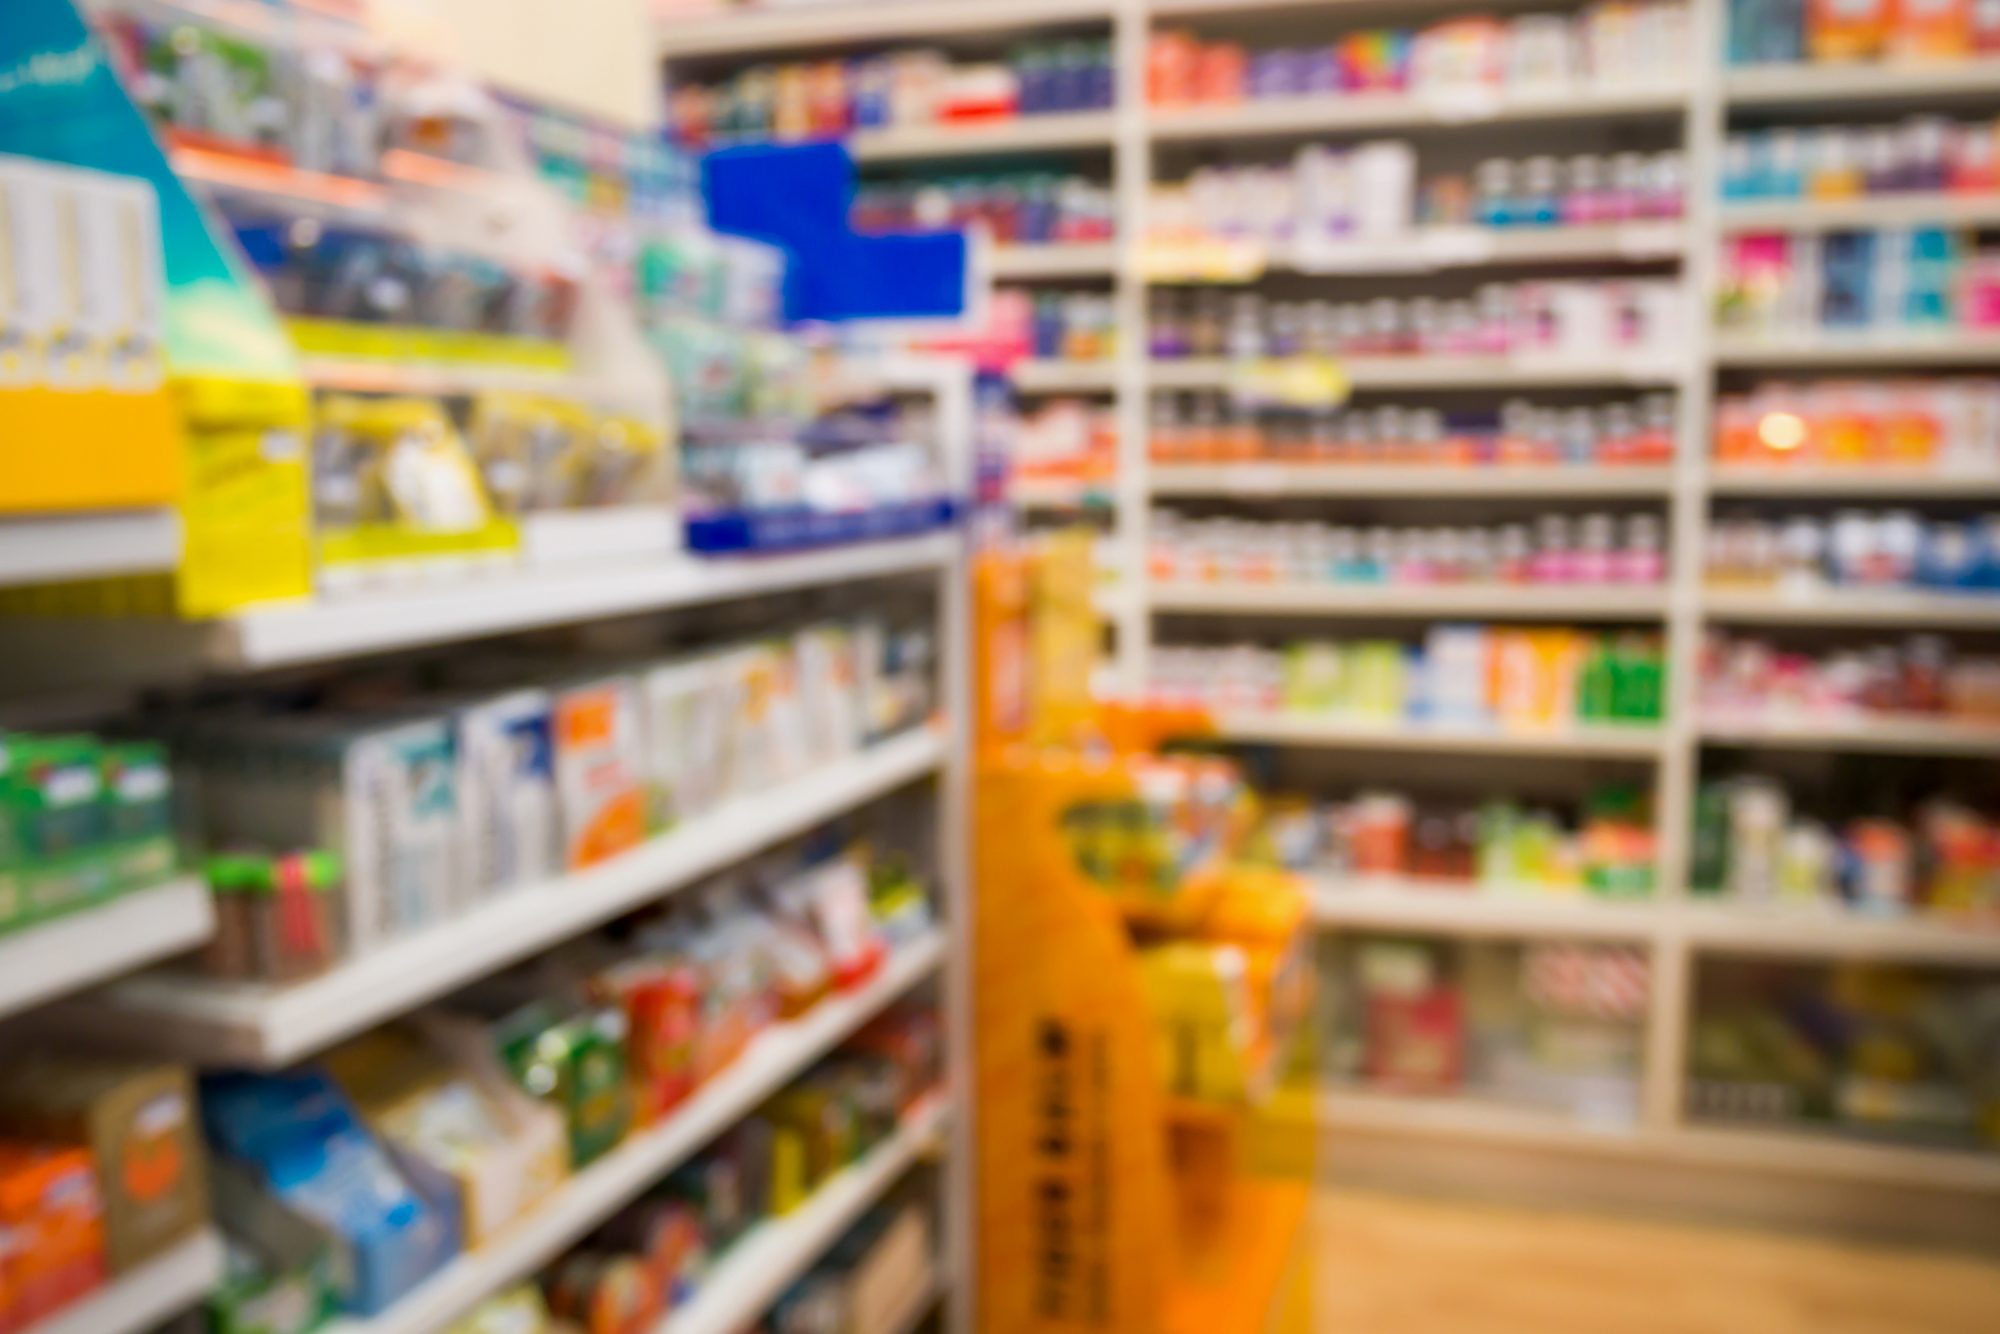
(1394, 1265)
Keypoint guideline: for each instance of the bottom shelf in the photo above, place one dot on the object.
(756, 1271)
(1802, 1151)
(146, 1297)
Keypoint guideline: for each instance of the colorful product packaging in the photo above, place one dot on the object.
(295, 1145)
(137, 1123)
(506, 790)
(600, 768)
(53, 1221)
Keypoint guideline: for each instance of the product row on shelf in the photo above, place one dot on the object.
(1554, 551)
(342, 819)
(1070, 326)
(1921, 676)
(1926, 155)
(1015, 207)
(1605, 846)
(907, 89)
(1918, 282)
(1772, 32)
(1909, 855)
(1212, 428)
(1639, 321)
(1552, 1027)
(658, 1257)
(1873, 1053)
(1370, 194)
(83, 821)
(1950, 425)
(1454, 676)
(1853, 549)
(1609, 45)
(1921, 851)
(1064, 439)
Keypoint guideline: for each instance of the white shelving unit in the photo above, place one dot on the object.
(50, 548)
(143, 1299)
(46, 962)
(1675, 930)
(215, 1024)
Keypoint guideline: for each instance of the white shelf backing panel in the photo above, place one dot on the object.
(328, 629)
(1022, 134)
(1811, 932)
(1387, 111)
(1817, 88)
(1447, 908)
(761, 33)
(590, 1197)
(1493, 601)
(1853, 606)
(147, 1297)
(1277, 480)
(51, 548)
(272, 1027)
(1048, 376)
(1914, 483)
(1280, 729)
(1800, 1152)
(1953, 347)
(755, 1272)
(1895, 734)
(1439, 373)
(1868, 211)
(1055, 260)
(45, 962)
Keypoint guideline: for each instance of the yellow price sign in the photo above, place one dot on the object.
(1202, 260)
(1293, 382)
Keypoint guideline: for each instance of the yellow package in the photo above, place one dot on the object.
(627, 464)
(534, 452)
(393, 480)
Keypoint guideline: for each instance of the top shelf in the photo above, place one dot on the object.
(1805, 87)
(760, 33)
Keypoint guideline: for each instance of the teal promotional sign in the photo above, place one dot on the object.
(60, 101)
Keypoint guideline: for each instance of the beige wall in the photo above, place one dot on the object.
(593, 55)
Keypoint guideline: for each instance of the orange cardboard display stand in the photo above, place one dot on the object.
(1104, 1205)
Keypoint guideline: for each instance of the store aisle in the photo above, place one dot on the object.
(1396, 1265)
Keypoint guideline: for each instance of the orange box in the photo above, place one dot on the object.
(50, 1207)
